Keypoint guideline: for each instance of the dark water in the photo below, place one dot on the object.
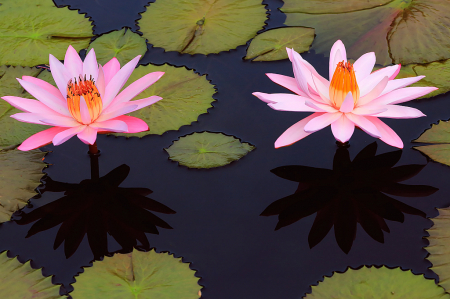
(217, 226)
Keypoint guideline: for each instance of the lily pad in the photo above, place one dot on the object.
(271, 45)
(185, 95)
(20, 281)
(138, 275)
(439, 247)
(122, 44)
(439, 135)
(399, 31)
(207, 150)
(47, 30)
(14, 132)
(20, 175)
(371, 282)
(202, 26)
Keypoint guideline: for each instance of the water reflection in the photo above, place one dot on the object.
(97, 207)
(350, 193)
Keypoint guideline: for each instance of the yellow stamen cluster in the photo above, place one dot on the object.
(88, 90)
(343, 82)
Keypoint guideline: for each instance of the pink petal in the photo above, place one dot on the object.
(73, 63)
(90, 66)
(88, 135)
(399, 83)
(286, 82)
(368, 83)
(84, 111)
(32, 118)
(323, 90)
(135, 125)
(342, 129)
(300, 77)
(322, 121)
(395, 111)
(58, 121)
(364, 65)
(319, 107)
(374, 93)
(348, 104)
(28, 105)
(118, 112)
(110, 69)
(40, 139)
(313, 71)
(60, 75)
(46, 86)
(284, 101)
(67, 134)
(387, 134)
(337, 54)
(101, 81)
(295, 132)
(141, 103)
(366, 125)
(369, 110)
(402, 95)
(113, 125)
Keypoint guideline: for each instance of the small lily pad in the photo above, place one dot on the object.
(138, 275)
(271, 45)
(439, 135)
(199, 26)
(20, 281)
(371, 282)
(47, 30)
(122, 44)
(20, 175)
(207, 150)
(185, 95)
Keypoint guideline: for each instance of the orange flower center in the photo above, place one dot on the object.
(343, 82)
(86, 89)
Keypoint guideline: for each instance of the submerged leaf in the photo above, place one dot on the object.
(207, 150)
(439, 135)
(138, 275)
(271, 45)
(202, 26)
(371, 282)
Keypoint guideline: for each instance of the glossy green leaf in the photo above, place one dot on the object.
(31, 30)
(439, 135)
(122, 44)
(202, 26)
(207, 150)
(14, 132)
(399, 31)
(271, 45)
(185, 95)
(137, 275)
(380, 283)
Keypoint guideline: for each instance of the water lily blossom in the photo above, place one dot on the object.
(354, 96)
(86, 101)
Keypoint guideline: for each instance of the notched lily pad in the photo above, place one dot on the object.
(122, 44)
(371, 282)
(138, 275)
(207, 150)
(185, 95)
(20, 281)
(31, 30)
(439, 135)
(202, 26)
(271, 45)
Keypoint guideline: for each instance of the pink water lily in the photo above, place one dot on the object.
(86, 102)
(356, 96)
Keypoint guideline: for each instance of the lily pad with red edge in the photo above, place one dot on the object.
(439, 136)
(372, 282)
(202, 26)
(138, 275)
(31, 30)
(271, 45)
(399, 31)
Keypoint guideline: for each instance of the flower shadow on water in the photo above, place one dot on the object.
(97, 207)
(352, 192)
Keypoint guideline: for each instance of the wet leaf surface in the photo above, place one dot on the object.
(439, 135)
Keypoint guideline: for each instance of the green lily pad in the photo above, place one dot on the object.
(13, 131)
(122, 44)
(199, 26)
(185, 95)
(20, 281)
(20, 175)
(398, 31)
(271, 45)
(138, 275)
(207, 150)
(371, 282)
(439, 247)
(439, 135)
(47, 30)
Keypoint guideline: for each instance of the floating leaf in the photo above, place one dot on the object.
(13, 132)
(202, 26)
(439, 134)
(399, 31)
(371, 282)
(271, 45)
(31, 30)
(207, 150)
(185, 95)
(138, 275)
(439, 247)
(20, 175)
(122, 44)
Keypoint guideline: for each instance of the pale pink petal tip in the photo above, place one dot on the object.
(263, 97)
